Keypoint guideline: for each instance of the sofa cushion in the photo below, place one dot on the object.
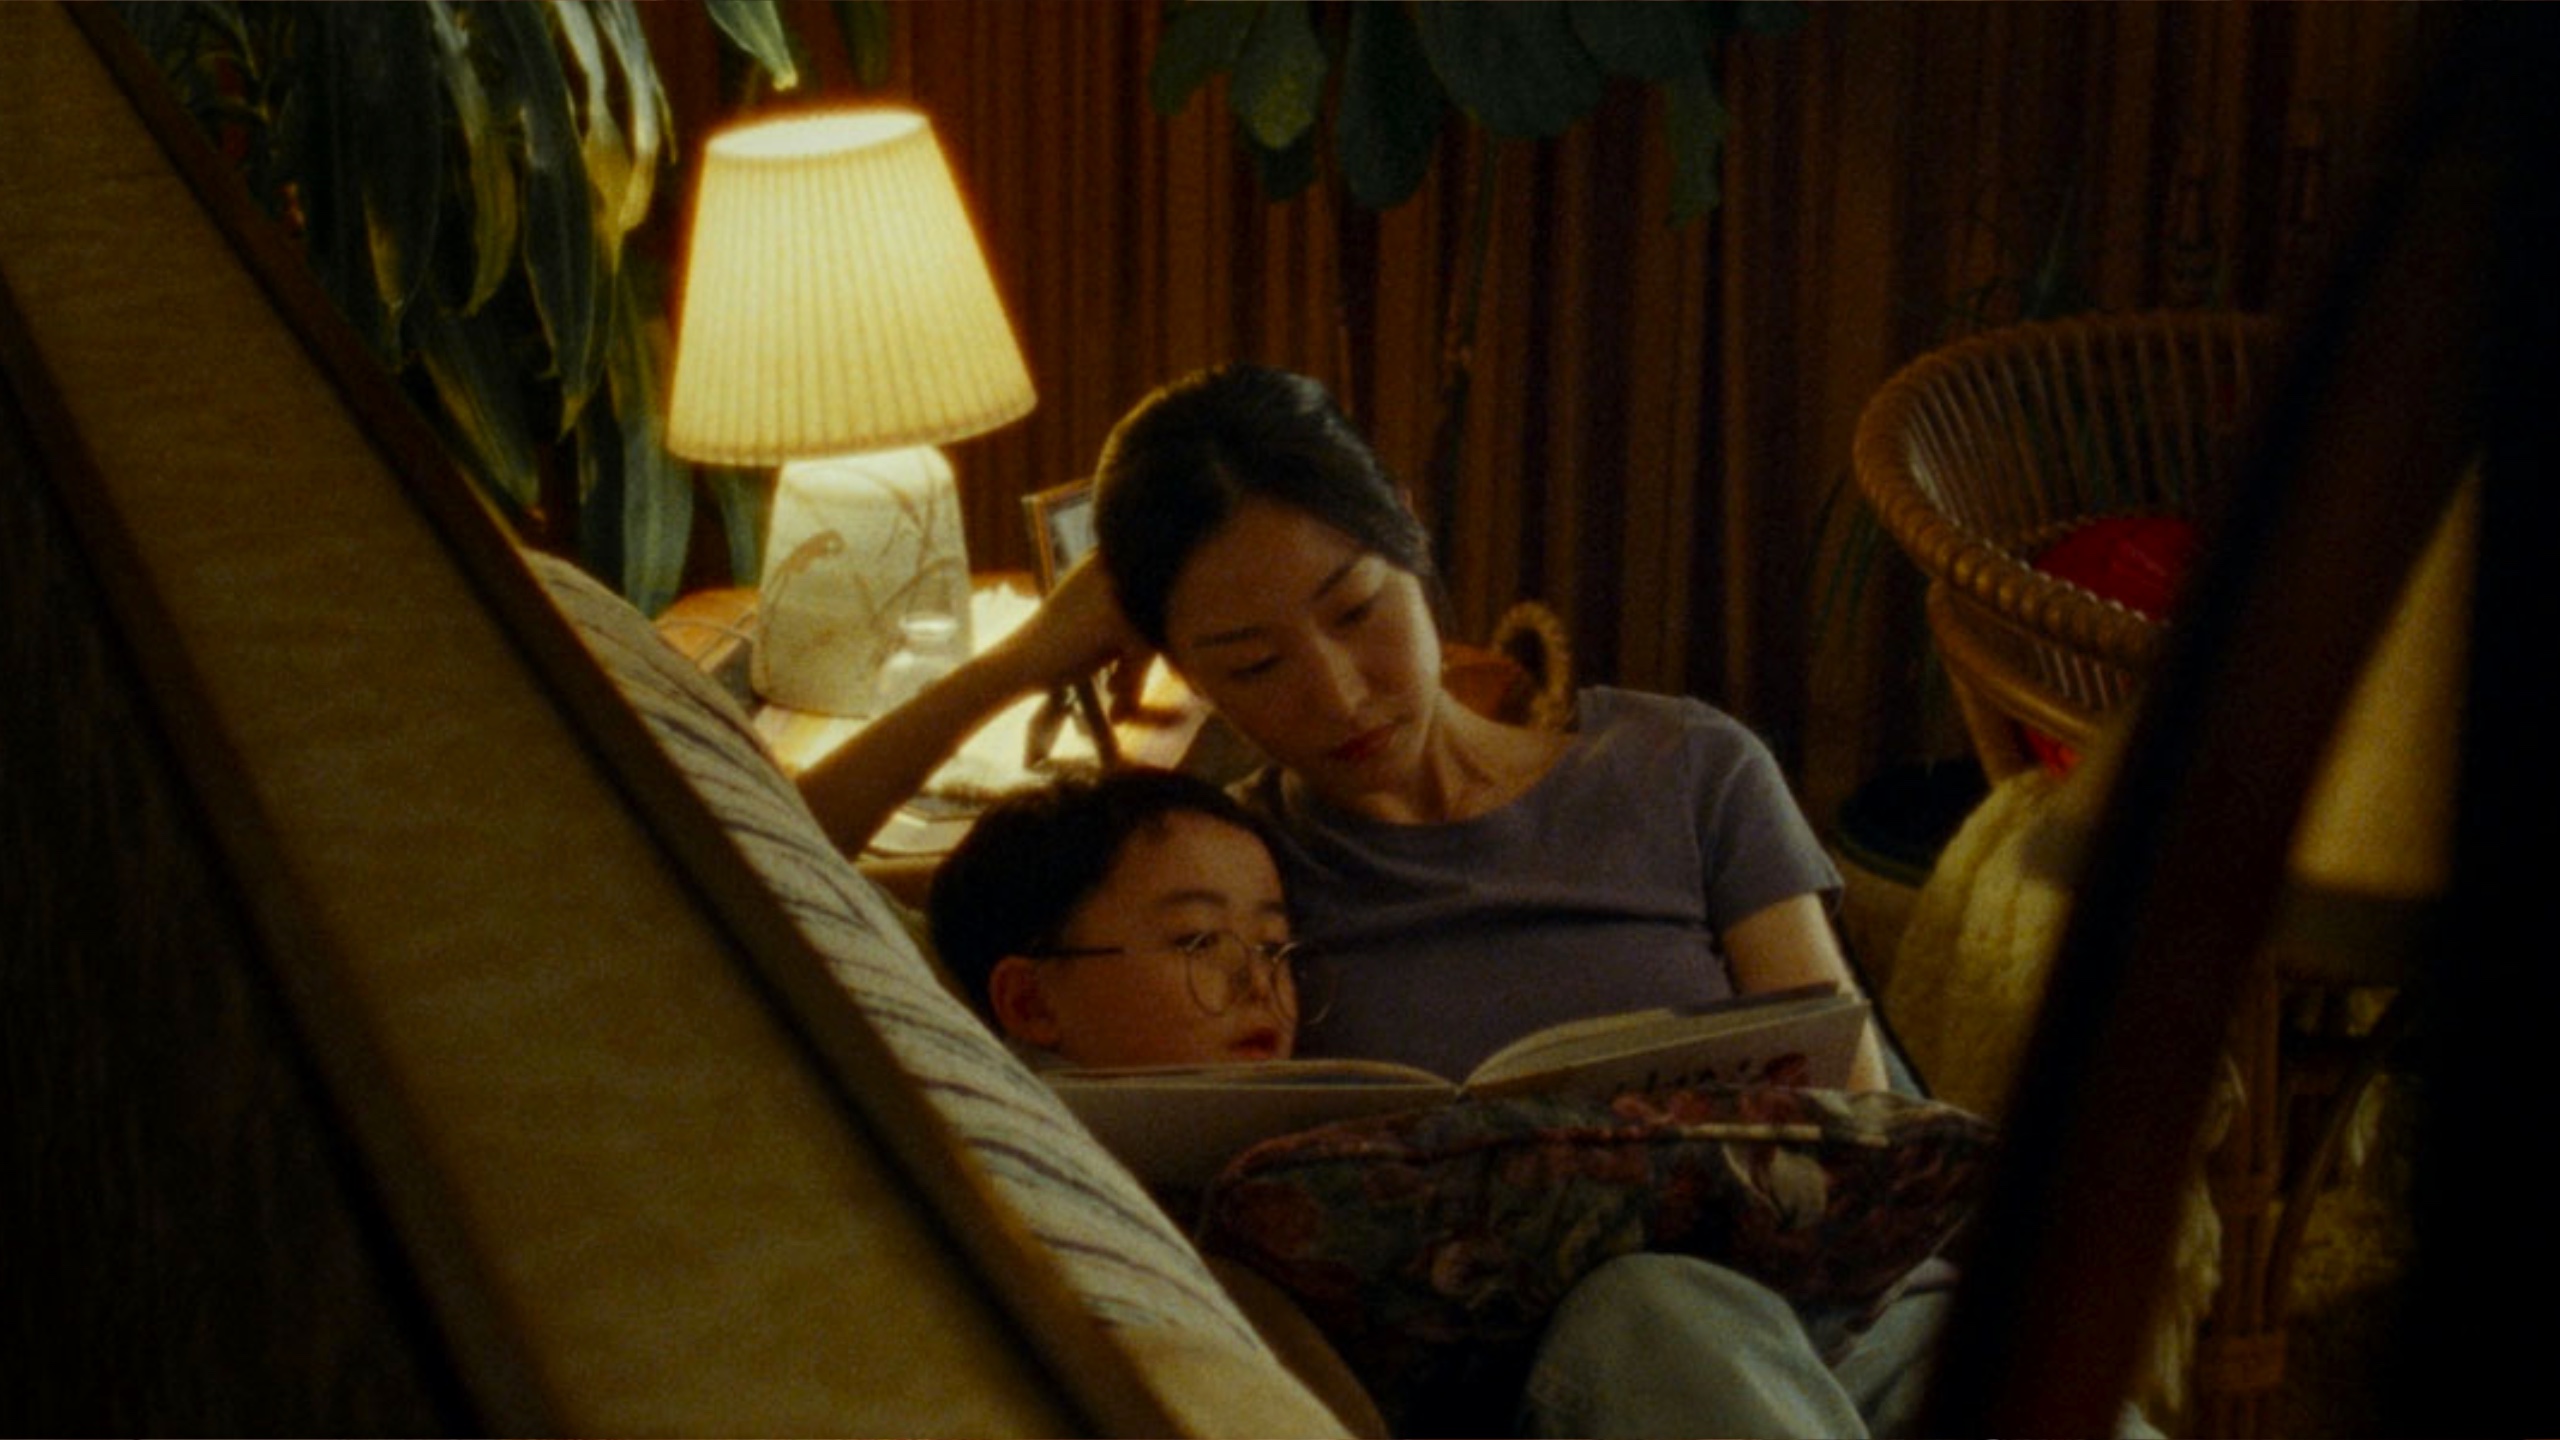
(1431, 1245)
(1123, 1258)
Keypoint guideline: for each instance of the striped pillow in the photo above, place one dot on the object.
(1121, 1256)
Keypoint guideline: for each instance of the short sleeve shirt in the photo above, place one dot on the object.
(1599, 889)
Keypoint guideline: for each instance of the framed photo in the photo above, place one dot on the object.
(1061, 519)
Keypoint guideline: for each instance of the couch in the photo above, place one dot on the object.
(1120, 1253)
(399, 1040)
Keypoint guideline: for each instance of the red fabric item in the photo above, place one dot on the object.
(2138, 561)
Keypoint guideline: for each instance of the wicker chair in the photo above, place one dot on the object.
(1978, 456)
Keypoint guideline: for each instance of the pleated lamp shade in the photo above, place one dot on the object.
(836, 299)
(2379, 819)
(839, 321)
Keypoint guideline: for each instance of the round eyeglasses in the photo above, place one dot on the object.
(1222, 970)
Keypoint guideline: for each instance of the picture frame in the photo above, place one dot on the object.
(1060, 518)
(1061, 522)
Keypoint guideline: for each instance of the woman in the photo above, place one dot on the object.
(1469, 880)
(1489, 877)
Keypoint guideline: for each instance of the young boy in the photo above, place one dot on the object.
(1136, 918)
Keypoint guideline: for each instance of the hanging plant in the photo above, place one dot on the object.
(1387, 81)
(463, 178)
(1393, 74)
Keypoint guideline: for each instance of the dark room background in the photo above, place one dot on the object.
(1657, 425)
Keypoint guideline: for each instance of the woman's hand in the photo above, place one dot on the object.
(1791, 943)
(1078, 630)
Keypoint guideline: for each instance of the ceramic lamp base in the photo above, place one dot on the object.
(857, 545)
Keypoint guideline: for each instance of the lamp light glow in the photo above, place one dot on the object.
(838, 315)
(836, 298)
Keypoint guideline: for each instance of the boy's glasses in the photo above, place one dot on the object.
(1222, 969)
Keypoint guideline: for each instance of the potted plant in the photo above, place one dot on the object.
(467, 181)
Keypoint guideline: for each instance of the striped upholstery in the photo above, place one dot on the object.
(1122, 1257)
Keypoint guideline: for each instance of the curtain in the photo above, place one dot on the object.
(1657, 418)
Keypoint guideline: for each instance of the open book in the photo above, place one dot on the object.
(1178, 1125)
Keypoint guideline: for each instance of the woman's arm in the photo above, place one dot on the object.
(1075, 632)
(1790, 943)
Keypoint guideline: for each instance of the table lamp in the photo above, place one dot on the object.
(2379, 819)
(839, 321)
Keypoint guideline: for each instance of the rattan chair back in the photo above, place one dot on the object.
(1978, 456)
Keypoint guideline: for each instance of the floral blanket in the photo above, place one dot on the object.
(1430, 1246)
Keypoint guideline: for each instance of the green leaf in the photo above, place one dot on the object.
(1646, 39)
(745, 501)
(2053, 287)
(489, 171)
(657, 488)
(1279, 76)
(393, 131)
(1287, 170)
(644, 97)
(323, 161)
(175, 37)
(657, 528)
(166, 33)
(1200, 40)
(1391, 108)
(560, 246)
(272, 43)
(1768, 17)
(1516, 67)
(606, 155)
(596, 455)
(225, 14)
(1693, 123)
(868, 42)
(755, 26)
(652, 115)
(480, 389)
(204, 52)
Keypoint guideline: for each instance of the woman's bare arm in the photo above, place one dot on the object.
(1791, 943)
(1075, 632)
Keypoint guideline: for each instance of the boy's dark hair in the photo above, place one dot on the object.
(1034, 856)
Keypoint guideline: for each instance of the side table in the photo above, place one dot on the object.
(716, 629)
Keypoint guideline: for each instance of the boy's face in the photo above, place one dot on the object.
(1173, 881)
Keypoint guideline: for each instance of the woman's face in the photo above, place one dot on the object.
(1322, 652)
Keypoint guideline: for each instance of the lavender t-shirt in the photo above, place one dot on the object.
(1598, 889)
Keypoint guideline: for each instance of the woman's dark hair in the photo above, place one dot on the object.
(1010, 885)
(1177, 466)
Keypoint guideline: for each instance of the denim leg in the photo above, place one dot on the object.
(1670, 1345)
(1886, 1369)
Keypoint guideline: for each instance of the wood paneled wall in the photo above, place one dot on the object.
(1657, 434)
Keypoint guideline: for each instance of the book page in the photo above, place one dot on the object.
(1569, 1041)
(1793, 1038)
(1181, 1125)
(1261, 1074)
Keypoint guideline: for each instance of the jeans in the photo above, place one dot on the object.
(1672, 1345)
